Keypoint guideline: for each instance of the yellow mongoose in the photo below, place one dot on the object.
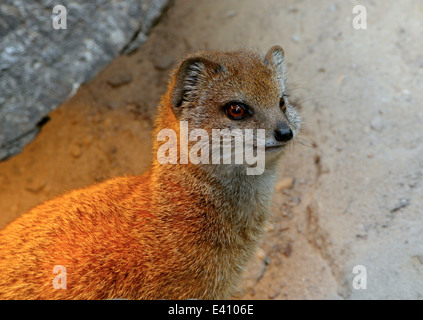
(180, 231)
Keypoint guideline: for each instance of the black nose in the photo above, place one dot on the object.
(283, 132)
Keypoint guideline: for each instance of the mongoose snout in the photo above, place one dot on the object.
(283, 132)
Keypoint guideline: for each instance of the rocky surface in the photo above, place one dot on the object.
(41, 66)
(350, 191)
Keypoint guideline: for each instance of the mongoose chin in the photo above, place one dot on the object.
(179, 231)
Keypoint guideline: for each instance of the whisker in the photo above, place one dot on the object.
(305, 142)
(310, 144)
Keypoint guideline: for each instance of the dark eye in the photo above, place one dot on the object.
(282, 104)
(236, 111)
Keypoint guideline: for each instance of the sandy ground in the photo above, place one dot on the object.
(350, 191)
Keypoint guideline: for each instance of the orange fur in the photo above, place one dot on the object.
(176, 232)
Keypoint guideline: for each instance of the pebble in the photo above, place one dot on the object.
(419, 258)
(402, 204)
(163, 62)
(286, 183)
(295, 38)
(302, 181)
(275, 293)
(288, 250)
(35, 186)
(231, 14)
(286, 192)
(119, 79)
(269, 227)
(88, 140)
(75, 151)
(294, 201)
(113, 105)
(260, 254)
(293, 10)
(377, 124)
(333, 8)
(267, 260)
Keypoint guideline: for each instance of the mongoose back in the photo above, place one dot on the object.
(179, 231)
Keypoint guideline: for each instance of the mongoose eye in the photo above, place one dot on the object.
(236, 111)
(282, 104)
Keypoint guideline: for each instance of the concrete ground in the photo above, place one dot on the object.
(350, 191)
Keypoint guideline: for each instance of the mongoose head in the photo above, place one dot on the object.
(236, 90)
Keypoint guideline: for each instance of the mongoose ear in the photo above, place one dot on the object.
(192, 72)
(275, 58)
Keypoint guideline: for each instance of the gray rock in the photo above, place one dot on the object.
(41, 67)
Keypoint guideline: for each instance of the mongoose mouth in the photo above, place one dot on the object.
(274, 148)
